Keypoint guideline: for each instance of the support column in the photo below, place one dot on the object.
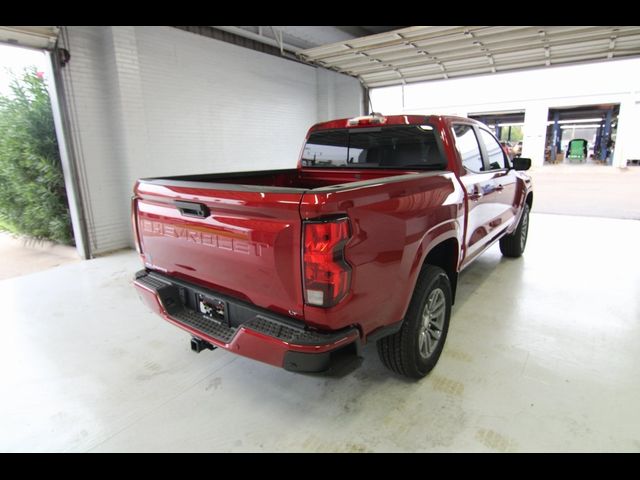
(598, 142)
(606, 134)
(365, 109)
(127, 111)
(556, 142)
(535, 132)
(627, 145)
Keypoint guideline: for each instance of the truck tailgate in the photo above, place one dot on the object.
(240, 240)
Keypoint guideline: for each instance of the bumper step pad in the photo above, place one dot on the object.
(283, 330)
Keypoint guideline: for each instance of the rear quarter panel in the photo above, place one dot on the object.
(395, 222)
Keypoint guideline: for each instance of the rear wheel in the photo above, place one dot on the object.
(416, 348)
(513, 245)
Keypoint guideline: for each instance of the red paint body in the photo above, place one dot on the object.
(250, 246)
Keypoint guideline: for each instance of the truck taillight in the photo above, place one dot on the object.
(327, 275)
(134, 224)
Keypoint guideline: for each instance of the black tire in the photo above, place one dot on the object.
(403, 352)
(513, 245)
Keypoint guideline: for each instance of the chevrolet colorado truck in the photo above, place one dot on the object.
(362, 242)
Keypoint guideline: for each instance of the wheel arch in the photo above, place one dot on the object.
(445, 255)
(529, 200)
(442, 251)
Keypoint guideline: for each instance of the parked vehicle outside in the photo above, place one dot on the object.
(508, 149)
(517, 149)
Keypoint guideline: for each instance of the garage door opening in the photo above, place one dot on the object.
(35, 223)
(44, 41)
(582, 135)
(577, 177)
(508, 127)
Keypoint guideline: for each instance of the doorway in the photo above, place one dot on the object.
(583, 134)
(35, 223)
(507, 126)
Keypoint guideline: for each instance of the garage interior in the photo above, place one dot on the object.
(503, 124)
(541, 353)
(595, 123)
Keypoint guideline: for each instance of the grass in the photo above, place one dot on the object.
(5, 227)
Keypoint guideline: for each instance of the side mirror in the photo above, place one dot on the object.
(520, 163)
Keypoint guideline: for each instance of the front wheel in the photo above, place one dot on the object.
(416, 348)
(513, 245)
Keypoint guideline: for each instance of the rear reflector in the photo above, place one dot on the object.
(327, 275)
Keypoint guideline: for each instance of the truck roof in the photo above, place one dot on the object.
(378, 119)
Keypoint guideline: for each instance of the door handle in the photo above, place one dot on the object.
(192, 209)
(499, 188)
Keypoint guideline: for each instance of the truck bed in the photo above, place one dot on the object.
(240, 233)
(305, 179)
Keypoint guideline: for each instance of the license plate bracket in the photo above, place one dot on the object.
(214, 308)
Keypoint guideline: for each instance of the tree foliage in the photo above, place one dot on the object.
(33, 200)
(516, 133)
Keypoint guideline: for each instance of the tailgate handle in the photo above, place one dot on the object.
(192, 209)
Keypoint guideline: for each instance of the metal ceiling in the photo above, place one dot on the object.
(296, 38)
(34, 37)
(424, 53)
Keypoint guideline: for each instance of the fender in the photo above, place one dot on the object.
(526, 190)
(435, 236)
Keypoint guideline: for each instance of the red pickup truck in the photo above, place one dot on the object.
(362, 242)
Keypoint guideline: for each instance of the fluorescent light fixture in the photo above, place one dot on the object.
(489, 114)
(509, 124)
(584, 120)
(565, 127)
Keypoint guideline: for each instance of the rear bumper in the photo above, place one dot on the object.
(245, 330)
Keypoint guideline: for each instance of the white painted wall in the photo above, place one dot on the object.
(154, 101)
(337, 94)
(535, 91)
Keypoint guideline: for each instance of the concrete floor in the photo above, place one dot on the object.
(21, 256)
(542, 355)
(587, 189)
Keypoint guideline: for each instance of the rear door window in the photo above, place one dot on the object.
(495, 154)
(468, 147)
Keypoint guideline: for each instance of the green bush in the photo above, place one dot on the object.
(33, 200)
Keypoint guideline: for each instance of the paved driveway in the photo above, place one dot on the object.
(20, 257)
(587, 190)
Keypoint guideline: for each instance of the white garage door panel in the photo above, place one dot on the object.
(220, 107)
(34, 37)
